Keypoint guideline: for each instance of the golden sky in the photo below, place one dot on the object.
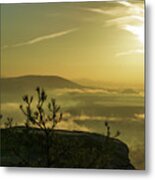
(101, 41)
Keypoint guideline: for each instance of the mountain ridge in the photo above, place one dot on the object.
(22, 83)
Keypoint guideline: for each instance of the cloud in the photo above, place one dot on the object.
(83, 117)
(139, 116)
(9, 106)
(127, 16)
(138, 31)
(130, 52)
(132, 7)
(72, 126)
(42, 38)
(123, 20)
(98, 11)
(87, 91)
(134, 15)
(96, 123)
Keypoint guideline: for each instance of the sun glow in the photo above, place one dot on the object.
(135, 23)
(138, 31)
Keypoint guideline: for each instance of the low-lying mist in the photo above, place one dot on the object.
(88, 109)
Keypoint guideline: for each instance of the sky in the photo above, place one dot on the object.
(98, 41)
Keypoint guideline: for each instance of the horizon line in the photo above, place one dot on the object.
(141, 86)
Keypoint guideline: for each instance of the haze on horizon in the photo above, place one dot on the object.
(98, 41)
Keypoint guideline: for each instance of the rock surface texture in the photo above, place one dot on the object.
(68, 149)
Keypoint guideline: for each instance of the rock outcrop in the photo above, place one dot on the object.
(69, 149)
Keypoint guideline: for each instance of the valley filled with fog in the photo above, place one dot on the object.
(86, 109)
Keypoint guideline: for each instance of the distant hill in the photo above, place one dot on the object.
(28, 83)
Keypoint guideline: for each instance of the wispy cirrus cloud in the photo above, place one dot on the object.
(41, 38)
(123, 20)
(125, 15)
(98, 11)
(130, 52)
(133, 21)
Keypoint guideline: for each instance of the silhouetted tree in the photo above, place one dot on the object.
(46, 121)
(108, 132)
(1, 116)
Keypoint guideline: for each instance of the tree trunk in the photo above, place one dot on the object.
(47, 150)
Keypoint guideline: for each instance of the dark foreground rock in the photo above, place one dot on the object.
(68, 149)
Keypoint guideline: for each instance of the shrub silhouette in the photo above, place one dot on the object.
(9, 122)
(108, 132)
(46, 121)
